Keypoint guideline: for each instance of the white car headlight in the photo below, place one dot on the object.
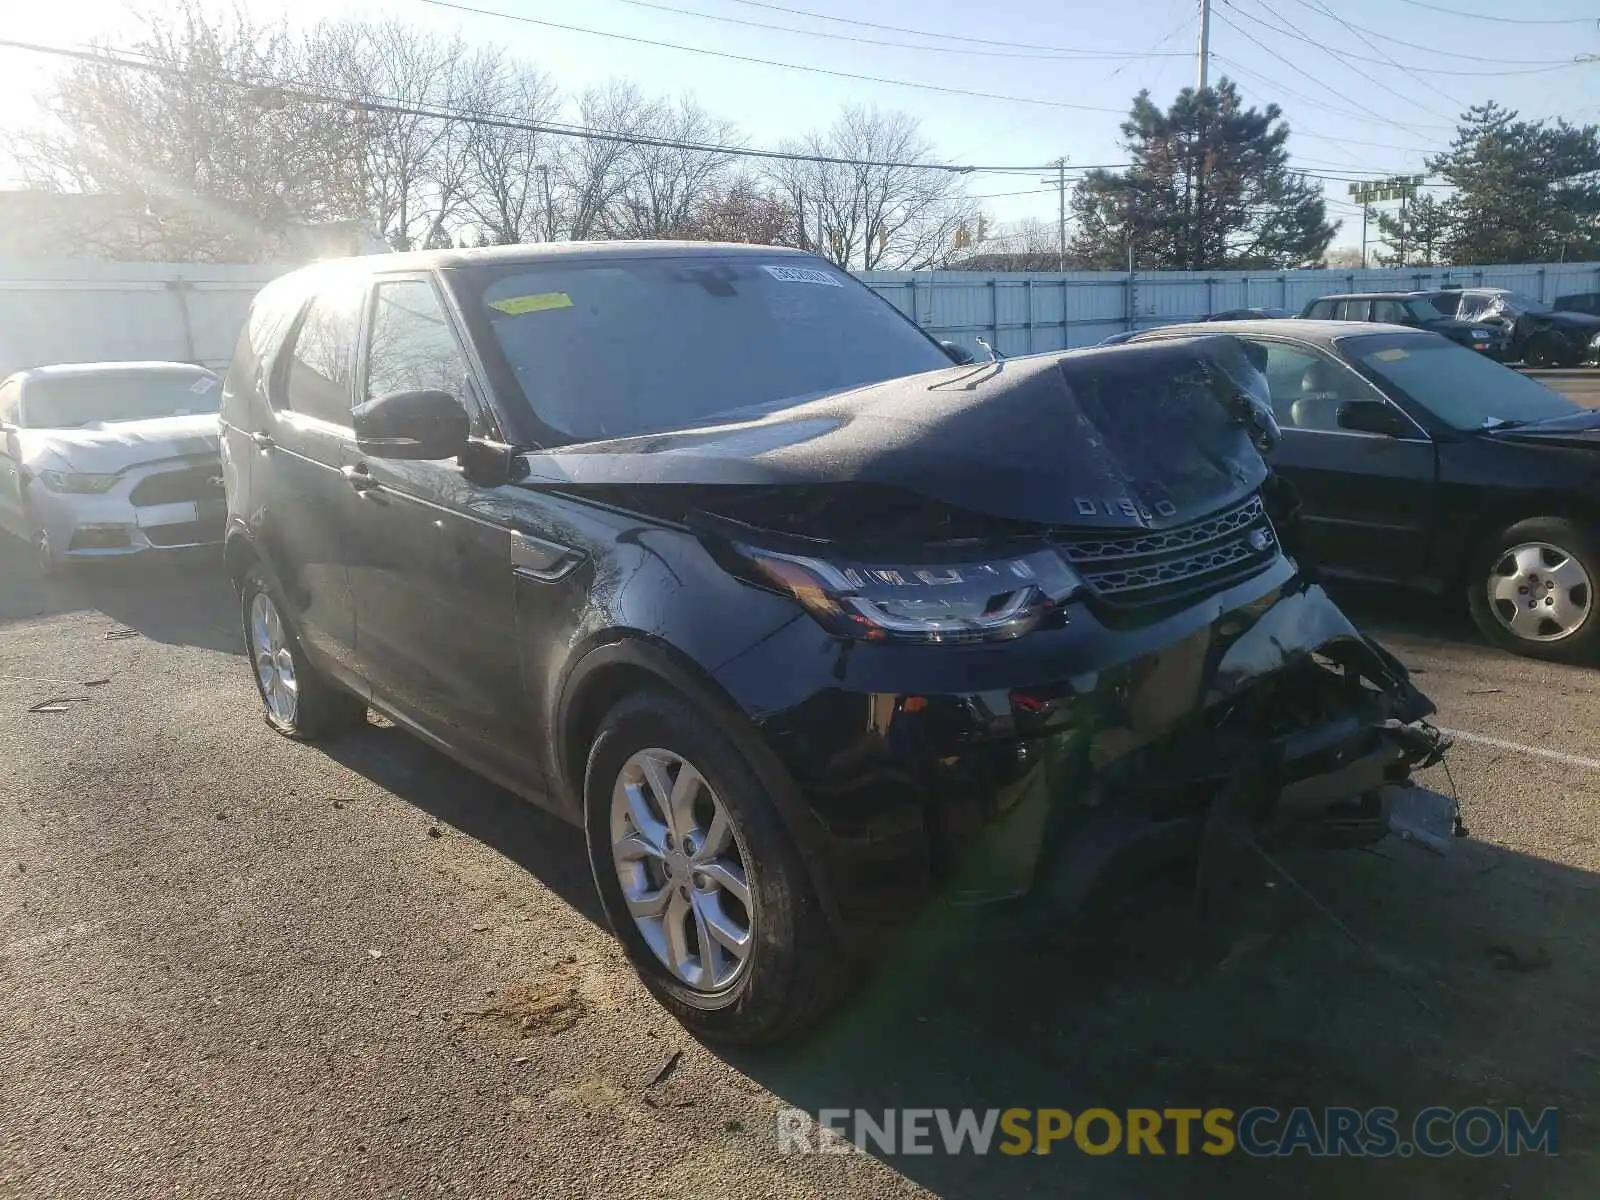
(77, 482)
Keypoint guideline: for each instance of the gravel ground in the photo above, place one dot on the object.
(233, 965)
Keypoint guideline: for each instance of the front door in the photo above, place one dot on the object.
(431, 556)
(1368, 499)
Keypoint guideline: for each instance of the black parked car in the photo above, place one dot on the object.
(1579, 302)
(1538, 334)
(1420, 464)
(1415, 309)
(712, 552)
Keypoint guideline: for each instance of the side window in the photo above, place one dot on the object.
(1352, 310)
(1391, 312)
(412, 348)
(10, 403)
(1307, 388)
(318, 382)
(1321, 310)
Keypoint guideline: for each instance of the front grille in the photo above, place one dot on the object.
(185, 533)
(202, 481)
(1137, 571)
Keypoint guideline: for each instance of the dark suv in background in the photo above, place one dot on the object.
(1414, 309)
(711, 551)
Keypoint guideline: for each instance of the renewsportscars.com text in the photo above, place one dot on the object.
(1259, 1131)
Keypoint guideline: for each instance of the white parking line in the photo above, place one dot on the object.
(1571, 760)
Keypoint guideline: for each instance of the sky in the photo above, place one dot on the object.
(1368, 87)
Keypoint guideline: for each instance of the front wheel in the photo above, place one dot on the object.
(701, 883)
(1548, 350)
(1532, 589)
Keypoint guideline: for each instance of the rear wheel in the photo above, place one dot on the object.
(702, 885)
(1532, 589)
(300, 702)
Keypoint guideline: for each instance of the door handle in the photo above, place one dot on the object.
(359, 478)
(263, 441)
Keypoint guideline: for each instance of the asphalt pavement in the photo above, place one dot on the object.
(235, 965)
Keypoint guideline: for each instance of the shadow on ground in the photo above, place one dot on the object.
(178, 600)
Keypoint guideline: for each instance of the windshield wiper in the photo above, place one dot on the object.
(1493, 423)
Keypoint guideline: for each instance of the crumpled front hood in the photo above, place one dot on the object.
(1123, 437)
(116, 446)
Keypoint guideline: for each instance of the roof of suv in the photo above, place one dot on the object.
(1376, 296)
(543, 251)
(1322, 333)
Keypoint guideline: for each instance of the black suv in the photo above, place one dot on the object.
(1414, 309)
(710, 550)
(1535, 333)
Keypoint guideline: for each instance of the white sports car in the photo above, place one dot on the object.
(110, 459)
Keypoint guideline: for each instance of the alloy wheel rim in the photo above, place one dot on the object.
(681, 870)
(1539, 592)
(42, 552)
(269, 645)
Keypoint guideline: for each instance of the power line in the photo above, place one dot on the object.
(928, 33)
(1047, 56)
(1339, 57)
(1321, 104)
(1456, 12)
(769, 62)
(295, 90)
(1319, 6)
(1389, 62)
(1388, 37)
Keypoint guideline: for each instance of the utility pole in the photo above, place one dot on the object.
(1061, 211)
(549, 211)
(1364, 210)
(1402, 229)
(1205, 45)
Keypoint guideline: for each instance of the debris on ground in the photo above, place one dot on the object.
(60, 704)
(119, 633)
(666, 1068)
(433, 831)
(547, 1005)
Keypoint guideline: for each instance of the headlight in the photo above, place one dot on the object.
(969, 601)
(72, 481)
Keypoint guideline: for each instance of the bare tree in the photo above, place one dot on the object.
(509, 197)
(200, 154)
(743, 212)
(593, 174)
(665, 180)
(894, 217)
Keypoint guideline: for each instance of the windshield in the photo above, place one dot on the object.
(1477, 305)
(617, 347)
(1459, 386)
(70, 401)
(1422, 310)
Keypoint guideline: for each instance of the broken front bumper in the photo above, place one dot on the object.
(1056, 784)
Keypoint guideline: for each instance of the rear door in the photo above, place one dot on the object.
(1368, 499)
(431, 554)
(10, 459)
(296, 485)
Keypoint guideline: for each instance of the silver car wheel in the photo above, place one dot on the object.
(44, 555)
(269, 645)
(680, 869)
(1539, 592)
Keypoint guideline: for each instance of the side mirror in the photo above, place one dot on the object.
(412, 425)
(1371, 416)
(959, 355)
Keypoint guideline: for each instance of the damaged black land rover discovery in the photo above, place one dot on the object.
(710, 550)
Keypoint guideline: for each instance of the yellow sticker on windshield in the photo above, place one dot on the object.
(515, 306)
(1392, 355)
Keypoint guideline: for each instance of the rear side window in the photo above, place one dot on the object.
(1352, 310)
(317, 382)
(10, 403)
(1391, 312)
(1321, 310)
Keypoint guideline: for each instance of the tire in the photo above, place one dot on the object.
(792, 970)
(320, 707)
(1542, 572)
(1547, 350)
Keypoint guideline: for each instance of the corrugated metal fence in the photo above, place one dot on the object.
(1027, 313)
(59, 311)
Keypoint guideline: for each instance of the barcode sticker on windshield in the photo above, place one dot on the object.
(802, 275)
(202, 385)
